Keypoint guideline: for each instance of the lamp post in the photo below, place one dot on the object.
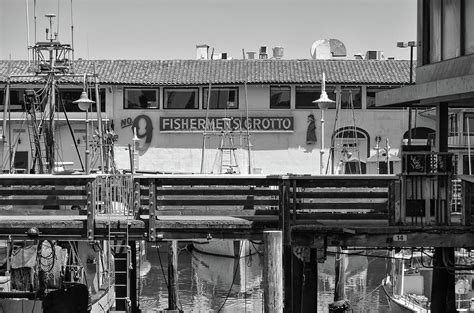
(84, 104)
(323, 103)
(411, 44)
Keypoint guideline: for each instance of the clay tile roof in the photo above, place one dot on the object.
(199, 72)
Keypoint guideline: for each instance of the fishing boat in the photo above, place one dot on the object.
(408, 285)
(55, 276)
(38, 274)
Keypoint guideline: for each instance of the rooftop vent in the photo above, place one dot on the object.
(202, 52)
(263, 52)
(251, 55)
(278, 52)
(374, 55)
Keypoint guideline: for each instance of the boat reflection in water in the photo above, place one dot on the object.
(205, 281)
(209, 282)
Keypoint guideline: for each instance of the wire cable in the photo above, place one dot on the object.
(232, 284)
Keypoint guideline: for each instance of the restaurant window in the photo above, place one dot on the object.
(346, 98)
(304, 96)
(68, 95)
(181, 98)
(221, 98)
(140, 98)
(280, 97)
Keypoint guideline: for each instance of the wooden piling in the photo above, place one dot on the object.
(273, 271)
(309, 295)
(173, 275)
(442, 286)
(134, 296)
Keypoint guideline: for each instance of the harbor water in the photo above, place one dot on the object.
(209, 283)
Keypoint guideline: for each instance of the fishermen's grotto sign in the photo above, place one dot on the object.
(260, 123)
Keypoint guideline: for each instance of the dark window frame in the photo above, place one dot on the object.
(193, 89)
(219, 88)
(125, 98)
(280, 107)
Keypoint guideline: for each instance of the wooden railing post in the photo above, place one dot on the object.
(90, 212)
(394, 203)
(285, 221)
(151, 210)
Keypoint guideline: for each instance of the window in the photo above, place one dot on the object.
(304, 97)
(181, 98)
(17, 101)
(451, 28)
(136, 98)
(469, 123)
(67, 96)
(468, 25)
(221, 98)
(280, 97)
(346, 98)
(453, 124)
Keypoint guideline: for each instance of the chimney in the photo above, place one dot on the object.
(263, 52)
(224, 56)
(251, 55)
(202, 52)
(278, 52)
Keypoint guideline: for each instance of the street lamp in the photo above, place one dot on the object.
(84, 104)
(323, 103)
(411, 44)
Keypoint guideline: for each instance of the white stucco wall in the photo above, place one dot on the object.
(272, 152)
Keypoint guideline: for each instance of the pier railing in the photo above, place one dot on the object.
(44, 194)
(286, 200)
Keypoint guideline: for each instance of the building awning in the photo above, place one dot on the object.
(457, 91)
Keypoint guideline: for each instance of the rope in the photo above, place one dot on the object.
(232, 284)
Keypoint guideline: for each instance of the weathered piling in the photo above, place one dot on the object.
(172, 275)
(273, 271)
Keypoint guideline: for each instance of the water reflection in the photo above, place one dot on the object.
(208, 283)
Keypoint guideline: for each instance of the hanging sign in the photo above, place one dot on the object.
(198, 124)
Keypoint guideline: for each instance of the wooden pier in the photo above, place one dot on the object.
(312, 212)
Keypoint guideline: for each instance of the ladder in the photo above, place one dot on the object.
(226, 159)
(122, 263)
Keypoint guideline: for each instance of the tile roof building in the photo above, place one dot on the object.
(165, 103)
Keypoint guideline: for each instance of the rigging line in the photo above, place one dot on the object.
(72, 39)
(34, 13)
(27, 31)
(204, 134)
(333, 135)
(354, 130)
(168, 287)
(57, 24)
(233, 280)
(247, 115)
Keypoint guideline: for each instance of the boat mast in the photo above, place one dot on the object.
(205, 134)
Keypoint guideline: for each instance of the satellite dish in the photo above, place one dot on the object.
(327, 49)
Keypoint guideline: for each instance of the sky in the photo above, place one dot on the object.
(171, 29)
